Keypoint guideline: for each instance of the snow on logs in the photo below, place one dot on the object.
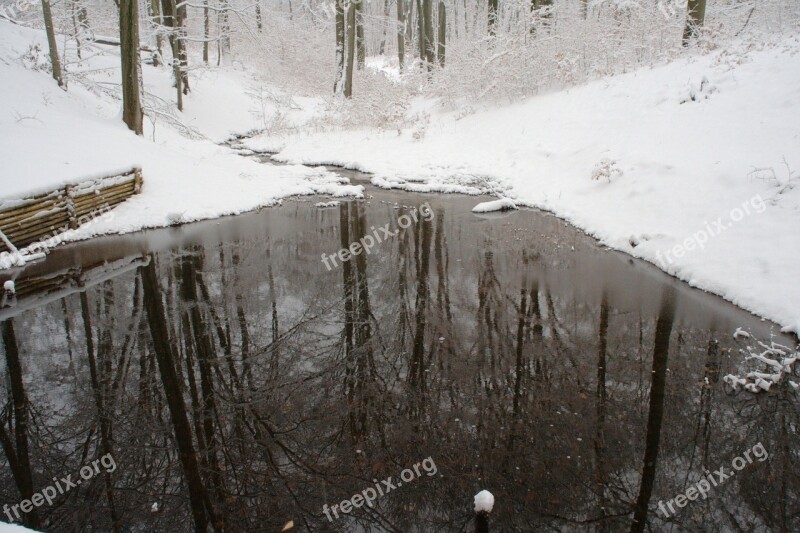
(44, 215)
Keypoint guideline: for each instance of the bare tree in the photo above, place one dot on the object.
(338, 84)
(401, 28)
(442, 38)
(351, 46)
(129, 56)
(695, 17)
(492, 11)
(361, 44)
(51, 43)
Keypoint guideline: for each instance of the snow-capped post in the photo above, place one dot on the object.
(69, 203)
(8, 298)
(137, 180)
(484, 503)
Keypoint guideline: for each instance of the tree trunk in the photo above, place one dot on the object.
(430, 45)
(225, 33)
(695, 17)
(18, 455)
(421, 30)
(338, 84)
(129, 55)
(351, 50)
(382, 48)
(76, 29)
(442, 44)
(170, 21)
(165, 355)
(361, 45)
(401, 28)
(206, 28)
(155, 14)
(492, 16)
(655, 415)
(51, 42)
(183, 55)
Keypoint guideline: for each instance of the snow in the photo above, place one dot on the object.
(778, 359)
(484, 502)
(693, 166)
(53, 137)
(503, 204)
(13, 528)
(673, 150)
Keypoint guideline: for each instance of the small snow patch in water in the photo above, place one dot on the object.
(503, 204)
(484, 502)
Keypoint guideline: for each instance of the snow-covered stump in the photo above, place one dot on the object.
(484, 503)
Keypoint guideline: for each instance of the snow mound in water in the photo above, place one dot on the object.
(503, 204)
(484, 502)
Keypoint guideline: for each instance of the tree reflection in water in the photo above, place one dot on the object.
(239, 384)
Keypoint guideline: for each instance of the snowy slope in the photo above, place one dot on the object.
(675, 151)
(51, 137)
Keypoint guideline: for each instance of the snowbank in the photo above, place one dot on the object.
(694, 166)
(52, 137)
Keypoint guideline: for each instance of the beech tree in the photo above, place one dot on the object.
(492, 12)
(695, 17)
(442, 40)
(361, 45)
(174, 18)
(129, 56)
(351, 45)
(338, 84)
(401, 29)
(51, 43)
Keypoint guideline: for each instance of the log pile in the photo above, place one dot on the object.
(43, 216)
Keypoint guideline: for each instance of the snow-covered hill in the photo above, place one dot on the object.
(50, 137)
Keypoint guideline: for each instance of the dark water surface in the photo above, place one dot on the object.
(238, 383)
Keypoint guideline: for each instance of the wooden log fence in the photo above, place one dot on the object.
(41, 217)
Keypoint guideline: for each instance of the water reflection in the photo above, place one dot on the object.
(240, 385)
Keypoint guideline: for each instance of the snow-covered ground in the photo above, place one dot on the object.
(694, 166)
(52, 137)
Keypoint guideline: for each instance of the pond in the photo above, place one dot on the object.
(225, 378)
